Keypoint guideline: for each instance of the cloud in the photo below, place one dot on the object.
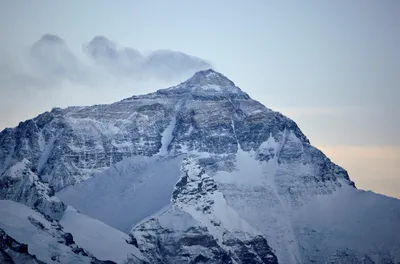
(101, 49)
(49, 74)
(49, 62)
(167, 63)
(50, 57)
(127, 61)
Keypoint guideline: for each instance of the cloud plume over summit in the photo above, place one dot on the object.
(49, 72)
(159, 64)
(50, 61)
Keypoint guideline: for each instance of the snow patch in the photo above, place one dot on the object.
(166, 137)
(16, 170)
(190, 130)
(212, 87)
(103, 241)
(248, 171)
(270, 146)
(46, 151)
(41, 141)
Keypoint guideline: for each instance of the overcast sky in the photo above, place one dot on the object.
(333, 67)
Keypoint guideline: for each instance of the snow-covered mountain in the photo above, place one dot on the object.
(195, 173)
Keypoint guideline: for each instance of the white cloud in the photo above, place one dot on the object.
(49, 62)
(49, 74)
(127, 61)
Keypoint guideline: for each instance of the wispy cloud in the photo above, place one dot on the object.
(49, 62)
(127, 61)
(50, 74)
(51, 57)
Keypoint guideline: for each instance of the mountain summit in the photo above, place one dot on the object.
(207, 84)
(195, 173)
(209, 77)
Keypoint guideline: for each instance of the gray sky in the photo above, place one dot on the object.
(333, 67)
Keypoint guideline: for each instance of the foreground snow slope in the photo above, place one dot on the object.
(31, 228)
(52, 242)
(103, 241)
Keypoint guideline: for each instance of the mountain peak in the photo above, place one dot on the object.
(210, 76)
(206, 84)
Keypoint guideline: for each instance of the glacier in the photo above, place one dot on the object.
(195, 173)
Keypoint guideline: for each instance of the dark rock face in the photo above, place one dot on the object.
(21, 184)
(255, 251)
(69, 240)
(11, 251)
(36, 223)
(132, 241)
(67, 146)
(197, 245)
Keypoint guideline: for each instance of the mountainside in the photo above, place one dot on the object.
(27, 237)
(197, 173)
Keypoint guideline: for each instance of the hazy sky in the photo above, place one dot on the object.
(333, 67)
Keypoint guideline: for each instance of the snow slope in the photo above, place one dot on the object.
(50, 243)
(126, 193)
(14, 220)
(103, 241)
(338, 224)
(361, 224)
